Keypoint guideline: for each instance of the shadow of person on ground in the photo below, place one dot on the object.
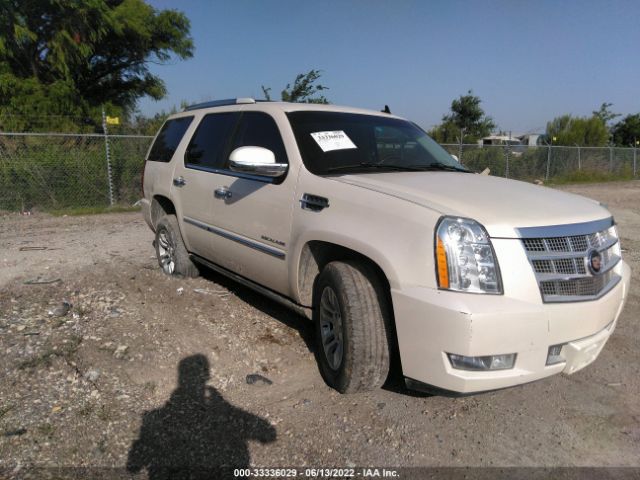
(197, 433)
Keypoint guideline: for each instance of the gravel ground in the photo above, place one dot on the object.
(145, 371)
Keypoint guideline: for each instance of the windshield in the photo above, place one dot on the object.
(331, 143)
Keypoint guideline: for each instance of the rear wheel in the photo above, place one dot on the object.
(171, 252)
(352, 327)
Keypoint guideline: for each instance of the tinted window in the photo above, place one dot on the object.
(208, 147)
(168, 139)
(368, 143)
(257, 129)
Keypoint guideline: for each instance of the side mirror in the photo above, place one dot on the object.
(256, 161)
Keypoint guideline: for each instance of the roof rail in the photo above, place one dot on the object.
(219, 103)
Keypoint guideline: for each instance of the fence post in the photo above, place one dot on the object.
(635, 154)
(506, 168)
(546, 177)
(610, 158)
(108, 155)
(579, 160)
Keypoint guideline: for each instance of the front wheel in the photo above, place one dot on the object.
(351, 320)
(171, 252)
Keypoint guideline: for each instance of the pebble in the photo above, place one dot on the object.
(256, 378)
(92, 375)
(121, 351)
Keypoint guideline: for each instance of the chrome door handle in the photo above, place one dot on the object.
(179, 182)
(222, 192)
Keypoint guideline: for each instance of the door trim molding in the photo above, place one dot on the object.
(275, 252)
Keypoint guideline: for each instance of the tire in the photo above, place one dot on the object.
(360, 323)
(171, 252)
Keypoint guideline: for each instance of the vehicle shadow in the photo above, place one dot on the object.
(270, 307)
(395, 383)
(197, 433)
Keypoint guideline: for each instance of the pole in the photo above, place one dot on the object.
(635, 154)
(108, 155)
(506, 169)
(460, 146)
(610, 158)
(579, 160)
(546, 178)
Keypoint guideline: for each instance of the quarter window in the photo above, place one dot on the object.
(168, 139)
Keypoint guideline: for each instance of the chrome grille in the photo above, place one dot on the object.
(561, 264)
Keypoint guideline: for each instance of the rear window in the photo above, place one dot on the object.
(168, 139)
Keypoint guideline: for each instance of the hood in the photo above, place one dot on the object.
(501, 205)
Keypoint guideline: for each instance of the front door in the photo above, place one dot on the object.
(251, 214)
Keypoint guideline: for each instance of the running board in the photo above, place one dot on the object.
(281, 299)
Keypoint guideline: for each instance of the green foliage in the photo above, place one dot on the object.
(627, 131)
(304, 89)
(467, 121)
(570, 131)
(64, 59)
(55, 173)
(604, 113)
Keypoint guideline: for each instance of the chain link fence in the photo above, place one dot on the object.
(61, 171)
(556, 164)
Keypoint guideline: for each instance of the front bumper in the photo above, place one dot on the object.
(431, 323)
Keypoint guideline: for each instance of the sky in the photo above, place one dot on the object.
(528, 61)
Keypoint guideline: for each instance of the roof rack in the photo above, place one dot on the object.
(220, 103)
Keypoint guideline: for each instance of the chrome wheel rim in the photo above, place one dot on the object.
(331, 328)
(166, 252)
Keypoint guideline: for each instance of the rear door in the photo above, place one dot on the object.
(194, 182)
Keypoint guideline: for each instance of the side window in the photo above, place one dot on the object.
(207, 148)
(168, 139)
(257, 129)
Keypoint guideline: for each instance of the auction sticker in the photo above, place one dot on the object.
(336, 140)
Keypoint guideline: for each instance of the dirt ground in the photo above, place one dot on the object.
(145, 371)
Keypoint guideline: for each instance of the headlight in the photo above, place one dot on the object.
(465, 260)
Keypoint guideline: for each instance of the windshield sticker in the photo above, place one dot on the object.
(336, 140)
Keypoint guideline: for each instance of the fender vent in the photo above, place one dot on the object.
(313, 202)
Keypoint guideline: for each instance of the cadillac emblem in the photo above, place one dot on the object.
(594, 262)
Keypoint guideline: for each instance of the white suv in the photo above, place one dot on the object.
(361, 222)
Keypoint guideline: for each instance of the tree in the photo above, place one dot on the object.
(69, 57)
(467, 121)
(627, 131)
(582, 131)
(304, 89)
(605, 114)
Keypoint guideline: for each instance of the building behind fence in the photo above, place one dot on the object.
(60, 171)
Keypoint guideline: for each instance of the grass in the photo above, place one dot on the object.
(76, 211)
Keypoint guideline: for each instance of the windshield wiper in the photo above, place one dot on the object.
(439, 166)
(381, 166)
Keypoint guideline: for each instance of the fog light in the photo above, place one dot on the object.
(555, 354)
(489, 362)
